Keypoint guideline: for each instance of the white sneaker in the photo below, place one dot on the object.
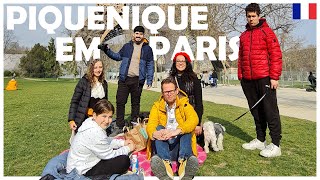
(271, 151)
(254, 144)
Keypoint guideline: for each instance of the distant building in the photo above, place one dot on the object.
(11, 61)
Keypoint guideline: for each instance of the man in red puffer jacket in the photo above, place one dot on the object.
(259, 69)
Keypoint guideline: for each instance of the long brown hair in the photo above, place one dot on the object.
(90, 74)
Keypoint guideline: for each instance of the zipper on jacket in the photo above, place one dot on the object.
(250, 54)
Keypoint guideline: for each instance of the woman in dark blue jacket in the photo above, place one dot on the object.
(90, 89)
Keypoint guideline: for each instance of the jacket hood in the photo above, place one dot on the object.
(262, 23)
(88, 124)
(145, 41)
(182, 98)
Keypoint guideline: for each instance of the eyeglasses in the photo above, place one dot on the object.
(182, 62)
(169, 92)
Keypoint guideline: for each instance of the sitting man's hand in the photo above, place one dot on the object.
(159, 135)
(172, 134)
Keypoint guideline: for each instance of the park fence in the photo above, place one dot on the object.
(295, 79)
(291, 79)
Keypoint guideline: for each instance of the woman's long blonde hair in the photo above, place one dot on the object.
(90, 74)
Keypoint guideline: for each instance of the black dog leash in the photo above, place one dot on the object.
(267, 86)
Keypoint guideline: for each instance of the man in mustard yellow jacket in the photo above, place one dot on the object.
(170, 128)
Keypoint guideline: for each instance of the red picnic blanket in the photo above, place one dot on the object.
(145, 163)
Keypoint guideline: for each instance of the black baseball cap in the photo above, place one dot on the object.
(139, 29)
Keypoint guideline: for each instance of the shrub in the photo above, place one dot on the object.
(7, 73)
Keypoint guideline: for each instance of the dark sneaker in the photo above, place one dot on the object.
(116, 131)
(161, 168)
(190, 167)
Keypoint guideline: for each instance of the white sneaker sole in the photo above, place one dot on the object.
(270, 156)
(253, 148)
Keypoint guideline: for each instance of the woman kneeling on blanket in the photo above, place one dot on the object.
(92, 152)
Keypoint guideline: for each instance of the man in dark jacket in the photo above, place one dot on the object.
(259, 69)
(312, 81)
(137, 66)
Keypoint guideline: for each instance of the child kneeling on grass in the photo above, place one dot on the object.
(92, 152)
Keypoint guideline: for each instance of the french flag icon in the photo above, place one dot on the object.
(304, 10)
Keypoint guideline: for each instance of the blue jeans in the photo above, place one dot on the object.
(174, 149)
(56, 167)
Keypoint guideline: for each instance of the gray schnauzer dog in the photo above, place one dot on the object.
(213, 134)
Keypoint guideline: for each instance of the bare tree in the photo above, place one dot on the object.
(302, 59)
(9, 40)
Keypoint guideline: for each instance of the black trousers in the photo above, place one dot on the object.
(130, 86)
(117, 165)
(266, 113)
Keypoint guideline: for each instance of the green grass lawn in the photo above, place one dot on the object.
(36, 129)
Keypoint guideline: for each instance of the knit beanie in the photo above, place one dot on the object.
(183, 54)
